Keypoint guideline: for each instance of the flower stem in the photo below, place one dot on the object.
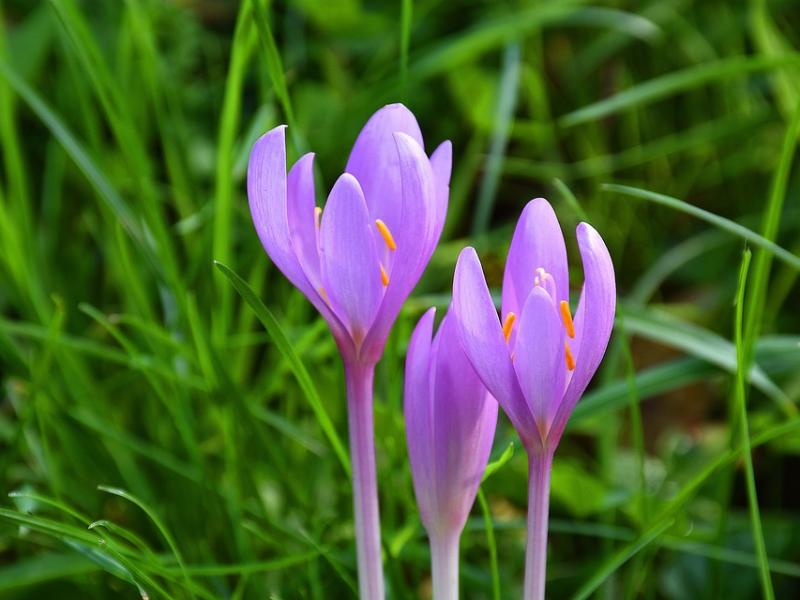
(444, 566)
(365, 484)
(539, 465)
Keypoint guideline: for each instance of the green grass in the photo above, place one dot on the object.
(172, 413)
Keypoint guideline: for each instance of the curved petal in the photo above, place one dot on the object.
(267, 196)
(464, 421)
(441, 165)
(482, 340)
(417, 408)
(539, 357)
(266, 193)
(374, 161)
(594, 319)
(537, 242)
(349, 263)
(414, 238)
(300, 208)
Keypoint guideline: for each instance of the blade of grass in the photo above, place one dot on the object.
(664, 328)
(676, 82)
(508, 88)
(278, 336)
(619, 558)
(102, 185)
(725, 224)
(757, 289)
(241, 52)
(491, 543)
(406, 19)
(274, 65)
(153, 516)
(744, 431)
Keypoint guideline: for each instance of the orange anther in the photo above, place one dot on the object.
(386, 234)
(384, 277)
(566, 316)
(508, 325)
(569, 358)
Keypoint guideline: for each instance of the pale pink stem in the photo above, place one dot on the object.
(539, 466)
(444, 565)
(365, 484)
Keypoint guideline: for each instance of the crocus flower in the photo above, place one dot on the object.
(450, 423)
(537, 362)
(356, 261)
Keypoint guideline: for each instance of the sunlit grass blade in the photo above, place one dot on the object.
(669, 330)
(757, 289)
(102, 185)
(243, 44)
(709, 217)
(491, 543)
(674, 83)
(507, 90)
(153, 516)
(44, 568)
(744, 434)
(620, 557)
(278, 336)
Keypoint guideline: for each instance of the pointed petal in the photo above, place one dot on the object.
(418, 415)
(594, 319)
(415, 237)
(464, 421)
(482, 339)
(300, 214)
(539, 357)
(266, 192)
(441, 165)
(374, 161)
(537, 242)
(350, 269)
(267, 195)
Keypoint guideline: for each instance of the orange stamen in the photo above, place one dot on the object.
(508, 325)
(569, 358)
(384, 277)
(566, 316)
(386, 234)
(317, 215)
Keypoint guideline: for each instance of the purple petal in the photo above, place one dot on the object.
(414, 238)
(441, 165)
(374, 161)
(418, 415)
(539, 357)
(302, 222)
(266, 192)
(594, 319)
(350, 268)
(537, 242)
(464, 420)
(482, 340)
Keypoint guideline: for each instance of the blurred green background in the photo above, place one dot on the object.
(156, 439)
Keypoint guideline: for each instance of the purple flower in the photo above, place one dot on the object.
(537, 362)
(356, 261)
(450, 423)
(359, 258)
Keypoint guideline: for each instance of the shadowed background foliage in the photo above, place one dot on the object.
(163, 433)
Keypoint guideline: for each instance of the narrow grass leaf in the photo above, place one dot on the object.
(280, 339)
(744, 432)
(725, 224)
